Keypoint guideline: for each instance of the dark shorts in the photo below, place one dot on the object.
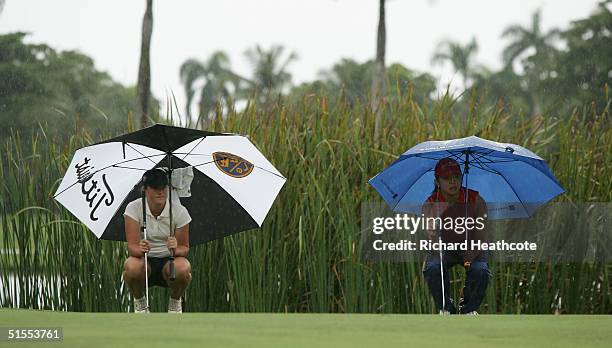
(156, 278)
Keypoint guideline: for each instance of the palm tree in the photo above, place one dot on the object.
(269, 69)
(523, 39)
(378, 82)
(191, 71)
(353, 78)
(460, 56)
(143, 87)
(534, 38)
(216, 80)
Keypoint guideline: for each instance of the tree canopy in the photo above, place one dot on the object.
(559, 68)
(62, 89)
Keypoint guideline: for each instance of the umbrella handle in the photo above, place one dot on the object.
(172, 269)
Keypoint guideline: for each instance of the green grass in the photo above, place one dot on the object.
(308, 330)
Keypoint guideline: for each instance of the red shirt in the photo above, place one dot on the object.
(453, 210)
(438, 197)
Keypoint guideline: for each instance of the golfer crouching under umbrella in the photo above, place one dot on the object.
(150, 241)
(449, 200)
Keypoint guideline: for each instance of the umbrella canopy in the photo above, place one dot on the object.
(233, 188)
(511, 179)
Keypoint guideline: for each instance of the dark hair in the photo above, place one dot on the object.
(156, 178)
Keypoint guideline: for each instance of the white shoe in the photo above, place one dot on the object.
(175, 306)
(471, 313)
(140, 305)
(445, 312)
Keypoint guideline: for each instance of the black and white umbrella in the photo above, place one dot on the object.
(233, 188)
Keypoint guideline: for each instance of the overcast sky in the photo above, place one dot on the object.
(321, 32)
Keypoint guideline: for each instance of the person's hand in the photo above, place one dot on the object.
(431, 234)
(144, 245)
(171, 242)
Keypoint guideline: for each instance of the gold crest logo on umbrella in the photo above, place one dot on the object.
(232, 165)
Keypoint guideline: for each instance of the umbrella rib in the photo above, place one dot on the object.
(121, 167)
(191, 154)
(201, 164)
(133, 148)
(489, 160)
(478, 161)
(196, 145)
(485, 154)
(496, 161)
(480, 166)
(500, 174)
(485, 167)
(495, 171)
(426, 157)
(131, 160)
(109, 166)
(271, 172)
(455, 156)
(481, 155)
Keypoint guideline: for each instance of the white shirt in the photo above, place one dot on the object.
(158, 229)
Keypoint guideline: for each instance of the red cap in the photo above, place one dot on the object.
(447, 166)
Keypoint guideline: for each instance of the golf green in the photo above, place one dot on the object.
(308, 330)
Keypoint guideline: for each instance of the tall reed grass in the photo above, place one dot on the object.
(306, 257)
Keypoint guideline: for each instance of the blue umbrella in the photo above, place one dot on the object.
(511, 179)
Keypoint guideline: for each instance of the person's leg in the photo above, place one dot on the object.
(476, 283)
(183, 277)
(134, 275)
(434, 280)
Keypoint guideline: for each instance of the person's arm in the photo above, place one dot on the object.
(180, 241)
(481, 212)
(136, 247)
(430, 227)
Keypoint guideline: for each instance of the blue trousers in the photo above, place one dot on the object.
(476, 282)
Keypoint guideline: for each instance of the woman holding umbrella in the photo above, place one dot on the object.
(448, 200)
(158, 243)
(234, 187)
(515, 181)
